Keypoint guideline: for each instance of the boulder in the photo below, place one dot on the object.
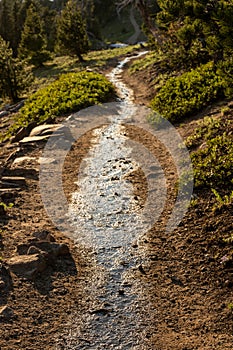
(27, 266)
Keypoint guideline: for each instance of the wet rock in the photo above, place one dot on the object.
(6, 313)
(27, 266)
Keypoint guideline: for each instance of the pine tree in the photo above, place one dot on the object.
(72, 35)
(49, 19)
(6, 20)
(15, 30)
(199, 28)
(14, 76)
(33, 40)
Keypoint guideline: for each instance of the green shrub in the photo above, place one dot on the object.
(213, 164)
(188, 93)
(70, 93)
(225, 70)
(208, 128)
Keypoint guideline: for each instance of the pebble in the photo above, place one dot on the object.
(6, 312)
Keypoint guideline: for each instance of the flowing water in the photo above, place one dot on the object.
(107, 217)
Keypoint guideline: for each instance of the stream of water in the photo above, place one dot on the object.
(106, 214)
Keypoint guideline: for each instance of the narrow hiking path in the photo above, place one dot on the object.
(125, 284)
(106, 214)
(149, 289)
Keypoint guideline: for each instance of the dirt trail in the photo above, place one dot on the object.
(167, 291)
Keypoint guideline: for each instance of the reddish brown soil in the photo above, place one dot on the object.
(187, 282)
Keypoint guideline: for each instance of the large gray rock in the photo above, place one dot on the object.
(27, 266)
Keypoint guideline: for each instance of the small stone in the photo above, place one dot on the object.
(228, 283)
(141, 269)
(50, 249)
(5, 278)
(6, 312)
(2, 284)
(27, 266)
(135, 244)
(3, 114)
(33, 250)
(23, 132)
(44, 236)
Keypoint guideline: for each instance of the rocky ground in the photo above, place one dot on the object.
(186, 278)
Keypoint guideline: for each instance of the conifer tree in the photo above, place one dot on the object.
(33, 40)
(15, 30)
(72, 35)
(203, 27)
(14, 76)
(6, 20)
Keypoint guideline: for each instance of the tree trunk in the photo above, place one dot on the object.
(80, 57)
(149, 22)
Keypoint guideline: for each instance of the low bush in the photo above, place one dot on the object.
(212, 156)
(213, 164)
(70, 93)
(188, 93)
